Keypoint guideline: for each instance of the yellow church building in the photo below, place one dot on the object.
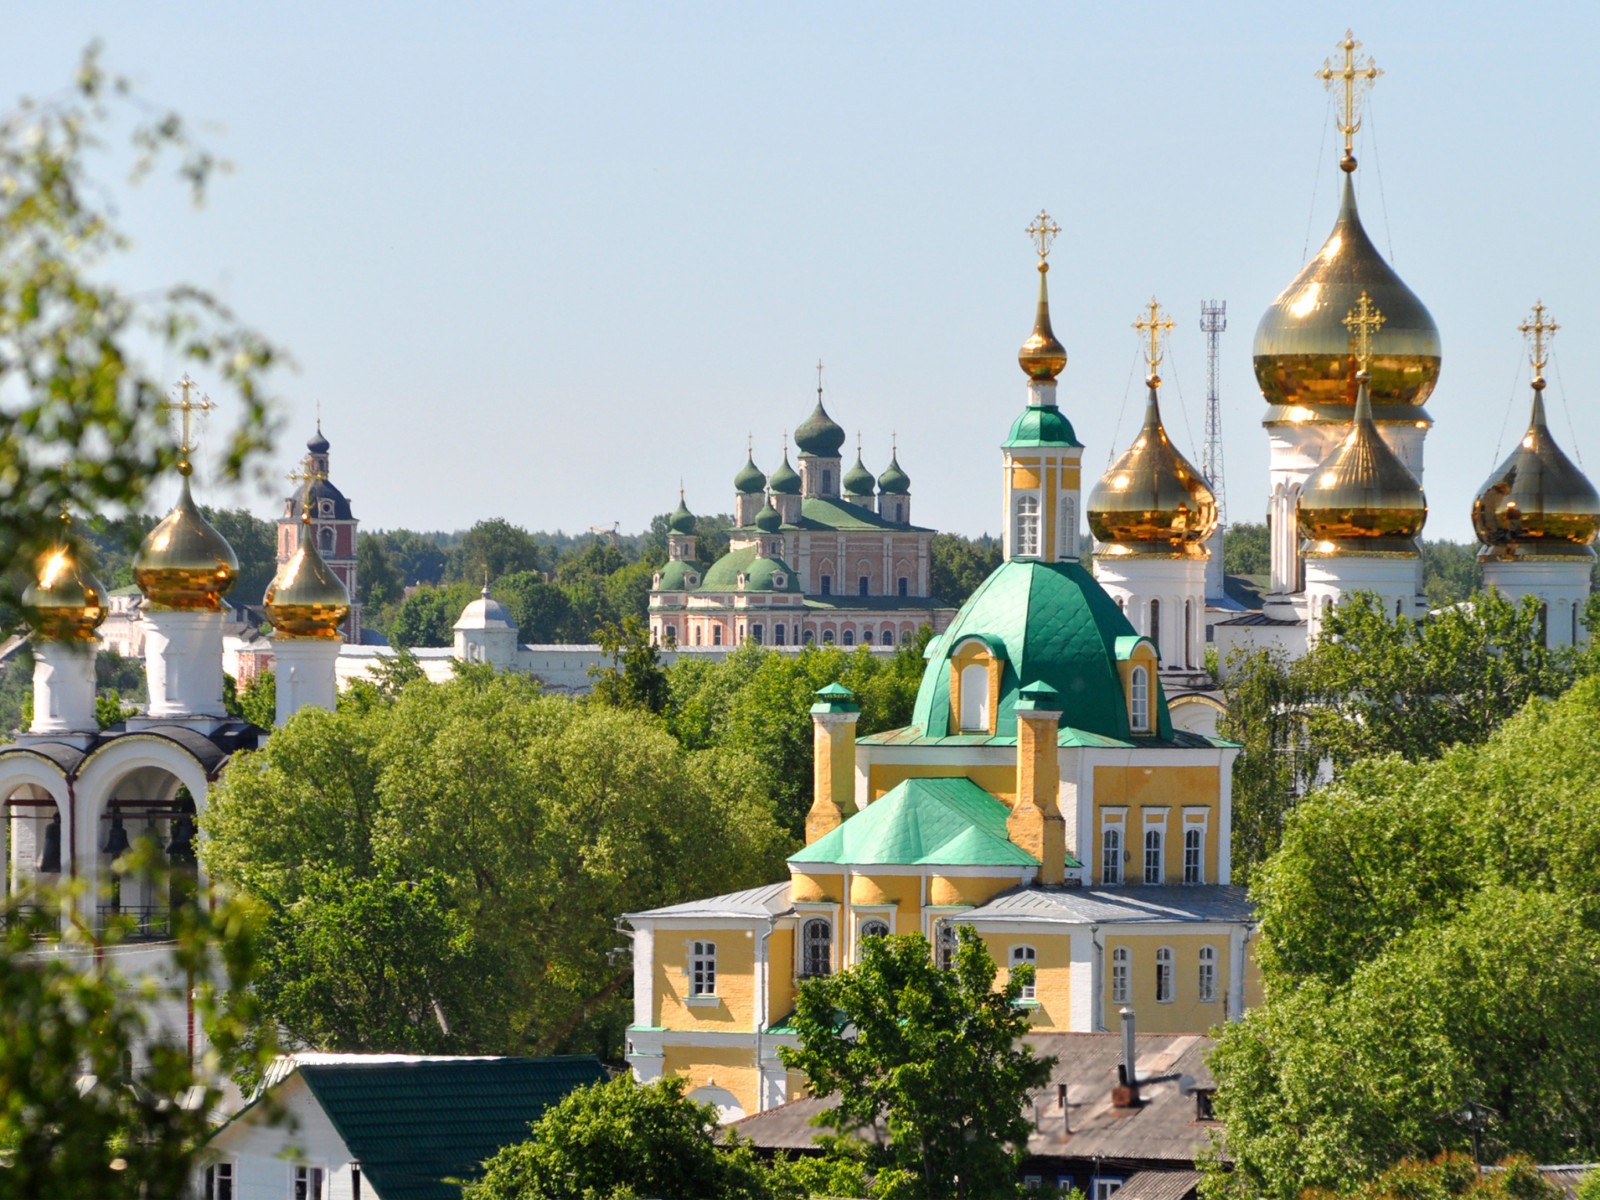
(1041, 795)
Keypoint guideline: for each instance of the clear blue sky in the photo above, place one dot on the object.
(539, 262)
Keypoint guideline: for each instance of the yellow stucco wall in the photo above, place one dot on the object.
(902, 891)
(999, 780)
(1052, 973)
(966, 889)
(733, 1008)
(806, 887)
(780, 954)
(1137, 788)
(730, 1067)
(1184, 1013)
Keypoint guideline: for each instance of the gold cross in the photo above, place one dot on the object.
(1043, 231)
(1536, 331)
(306, 477)
(186, 405)
(819, 381)
(1353, 74)
(1363, 321)
(1155, 327)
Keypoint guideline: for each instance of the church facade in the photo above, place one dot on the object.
(333, 524)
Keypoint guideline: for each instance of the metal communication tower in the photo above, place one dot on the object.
(1213, 320)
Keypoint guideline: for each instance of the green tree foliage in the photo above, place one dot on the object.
(1246, 550)
(417, 557)
(1450, 572)
(540, 608)
(494, 548)
(255, 542)
(427, 617)
(625, 1139)
(756, 702)
(378, 584)
(441, 867)
(933, 1054)
(82, 421)
(635, 678)
(711, 537)
(1451, 1176)
(1430, 939)
(958, 565)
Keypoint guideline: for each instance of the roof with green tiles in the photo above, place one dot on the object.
(676, 576)
(414, 1125)
(761, 574)
(1058, 626)
(1042, 425)
(820, 512)
(923, 822)
(724, 573)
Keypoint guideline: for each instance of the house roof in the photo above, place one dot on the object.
(1124, 905)
(947, 822)
(413, 1125)
(764, 901)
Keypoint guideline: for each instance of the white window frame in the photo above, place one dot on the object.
(1106, 1186)
(702, 970)
(308, 1182)
(1154, 855)
(806, 941)
(1194, 853)
(1208, 975)
(944, 943)
(1112, 826)
(1067, 535)
(1166, 972)
(1023, 954)
(1121, 975)
(220, 1181)
(1026, 526)
(1139, 699)
(974, 715)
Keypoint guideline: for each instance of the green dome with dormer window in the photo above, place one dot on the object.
(894, 481)
(785, 480)
(750, 479)
(819, 434)
(679, 575)
(858, 480)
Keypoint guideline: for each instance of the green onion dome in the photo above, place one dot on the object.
(750, 479)
(682, 520)
(858, 480)
(894, 481)
(785, 480)
(819, 434)
(768, 520)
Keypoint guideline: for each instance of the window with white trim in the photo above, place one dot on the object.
(946, 945)
(1194, 841)
(975, 698)
(849, 637)
(325, 536)
(874, 927)
(1152, 855)
(1111, 856)
(306, 1184)
(1208, 975)
(1025, 543)
(716, 635)
(1164, 965)
(1139, 700)
(1105, 1187)
(1120, 970)
(1155, 622)
(219, 1182)
(702, 968)
(816, 948)
(1025, 956)
(1067, 537)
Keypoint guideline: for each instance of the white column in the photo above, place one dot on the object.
(183, 664)
(303, 670)
(63, 687)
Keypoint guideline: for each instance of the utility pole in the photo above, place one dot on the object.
(1213, 320)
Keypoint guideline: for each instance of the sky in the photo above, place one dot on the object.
(543, 262)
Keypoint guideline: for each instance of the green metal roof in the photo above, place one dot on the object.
(1042, 426)
(768, 520)
(761, 576)
(858, 480)
(894, 481)
(673, 575)
(822, 513)
(682, 520)
(750, 478)
(923, 822)
(1058, 626)
(819, 434)
(413, 1125)
(724, 573)
(785, 480)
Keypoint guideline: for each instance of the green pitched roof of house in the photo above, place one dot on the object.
(932, 822)
(414, 1125)
(1058, 626)
(1042, 425)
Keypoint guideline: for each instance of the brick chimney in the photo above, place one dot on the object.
(1035, 823)
(833, 788)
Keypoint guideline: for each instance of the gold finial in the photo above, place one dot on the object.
(307, 478)
(1363, 321)
(1043, 232)
(1155, 327)
(1536, 331)
(186, 405)
(1355, 73)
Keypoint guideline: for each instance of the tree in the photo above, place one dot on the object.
(1246, 549)
(1451, 1176)
(933, 1054)
(377, 583)
(442, 867)
(418, 557)
(625, 1139)
(958, 565)
(538, 606)
(427, 617)
(1450, 572)
(635, 678)
(82, 421)
(494, 548)
(255, 542)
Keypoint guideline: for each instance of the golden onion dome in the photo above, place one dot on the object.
(1152, 500)
(184, 564)
(65, 602)
(1302, 354)
(1042, 357)
(1537, 501)
(1362, 499)
(305, 598)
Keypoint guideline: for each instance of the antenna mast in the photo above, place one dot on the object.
(1213, 320)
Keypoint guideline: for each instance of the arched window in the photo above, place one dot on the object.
(864, 584)
(849, 637)
(325, 540)
(1152, 856)
(1139, 699)
(669, 635)
(1067, 538)
(866, 637)
(1208, 974)
(1164, 975)
(1111, 856)
(827, 637)
(1193, 860)
(873, 927)
(1024, 956)
(1155, 623)
(703, 969)
(808, 637)
(975, 698)
(1025, 542)
(816, 948)
(1119, 975)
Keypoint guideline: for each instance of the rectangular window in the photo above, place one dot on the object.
(1193, 845)
(816, 948)
(1105, 1188)
(904, 585)
(307, 1184)
(1111, 856)
(865, 581)
(1152, 856)
(1119, 975)
(1032, 1182)
(1208, 975)
(219, 1182)
(827, 585)
(703, 969)
(777, 634)
(1164, 975)
(716, 635)
(755, 634)
(1024, 956)
(946, 945)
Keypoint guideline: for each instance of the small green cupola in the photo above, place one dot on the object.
(682, 520)
(768, 520)
(785, 480)
(894, 481)
(858, 481)
(750, 480)
(819, 434)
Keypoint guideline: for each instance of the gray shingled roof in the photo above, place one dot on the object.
(1090, 906)
(764, 901)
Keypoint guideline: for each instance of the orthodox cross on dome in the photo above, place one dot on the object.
(1356, 75)
(1363, 321)
(1154, 325)
(307, 478)
(819, 381)
(1537, 331)
(185, 404)
(1043, 232)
